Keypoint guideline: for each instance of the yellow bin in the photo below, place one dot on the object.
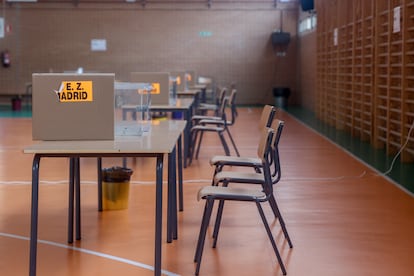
(115, 188)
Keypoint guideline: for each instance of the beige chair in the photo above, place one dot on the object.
(218, 124)
(257, 194)
(220, 161)
(204, 108)
(210, 87)
(227, 177)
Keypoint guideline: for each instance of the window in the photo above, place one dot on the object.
(308, 23)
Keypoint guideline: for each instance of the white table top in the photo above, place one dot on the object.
(189, 92)
(118, 85)
(198, 86)
(184, 103)
(160, 139)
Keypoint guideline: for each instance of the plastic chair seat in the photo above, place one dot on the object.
(221, 160)
(238, 177)
(205, 117)
(208, 128)
(219, 192)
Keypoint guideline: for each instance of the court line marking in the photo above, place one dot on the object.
(91, 252)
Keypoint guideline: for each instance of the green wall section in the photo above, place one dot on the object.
(7, 112)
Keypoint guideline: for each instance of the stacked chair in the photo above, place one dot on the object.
(220, 161)
(219, 124)
(265, 175)
(205, 108)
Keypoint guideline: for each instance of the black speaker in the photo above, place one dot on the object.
(280, 38)
(307, 5)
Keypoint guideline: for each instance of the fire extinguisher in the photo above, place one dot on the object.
(5, 58)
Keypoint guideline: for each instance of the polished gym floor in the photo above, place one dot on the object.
(343, 216)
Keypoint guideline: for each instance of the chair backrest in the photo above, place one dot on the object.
(222, 109)
(277, 127)
(232, 103)
(267, 116)
(221, 95)
(264, 151)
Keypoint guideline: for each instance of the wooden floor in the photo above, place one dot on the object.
(343, 218)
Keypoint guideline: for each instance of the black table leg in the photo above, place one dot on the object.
(71, 198)
(180, 175)
(34, 215)
(158, 215)
(99, 165)
(78, 199)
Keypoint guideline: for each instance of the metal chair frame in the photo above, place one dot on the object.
(223, 193)
(220, 161)
(218, 124)
(226, 177)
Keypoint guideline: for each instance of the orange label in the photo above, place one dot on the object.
(75, 91)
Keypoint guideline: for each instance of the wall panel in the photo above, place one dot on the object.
(365, 81)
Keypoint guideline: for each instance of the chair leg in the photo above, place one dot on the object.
(218, 222)
(278, 215)
(224, 143)
(272, 240)
(273, 205)
(194, 134)
(199, 144)
(204, 226)
(203, 230)
(218, 217)
(232, 141)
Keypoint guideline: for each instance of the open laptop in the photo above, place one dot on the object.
(69, 106)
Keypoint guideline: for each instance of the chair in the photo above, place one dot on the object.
(255, 194)
(218, 124)
(226, 177)
(227, 123)
(210, 86)
(220, 161)
(218, 111)
(203, 108)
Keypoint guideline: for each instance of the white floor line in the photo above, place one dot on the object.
(91, 252)
(92, 182)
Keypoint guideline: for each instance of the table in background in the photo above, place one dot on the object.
(202, 88)
(192, 93)
(186, 106)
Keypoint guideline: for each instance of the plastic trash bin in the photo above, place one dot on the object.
(281, 95)
(115, 188)
(16, 103)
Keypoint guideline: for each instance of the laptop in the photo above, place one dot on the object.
(69, 106)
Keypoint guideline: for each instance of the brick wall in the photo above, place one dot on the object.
(229, 43)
